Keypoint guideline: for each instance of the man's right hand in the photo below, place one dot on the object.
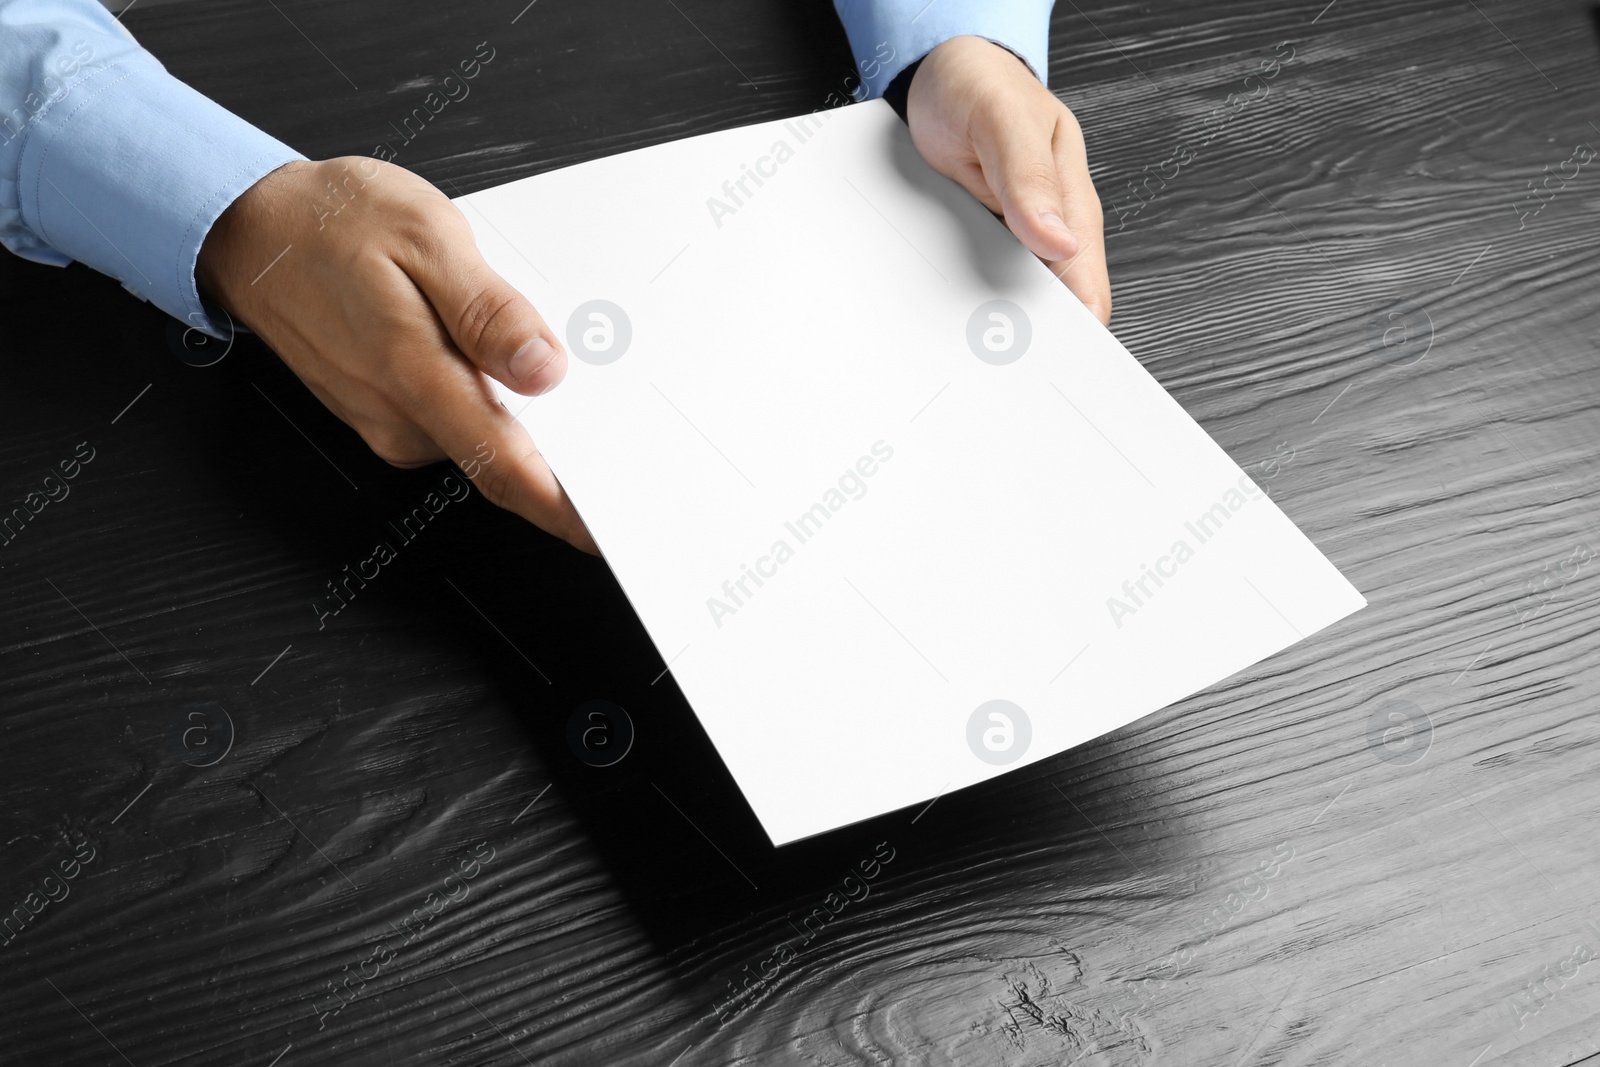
(390, 316)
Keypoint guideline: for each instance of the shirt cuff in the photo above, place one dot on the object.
(129, 173)
(887, 36)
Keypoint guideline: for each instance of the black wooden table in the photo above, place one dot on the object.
(236, 838)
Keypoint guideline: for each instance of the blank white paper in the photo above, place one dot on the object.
(865, 468)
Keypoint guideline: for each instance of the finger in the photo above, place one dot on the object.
(1084, 272)
(393, 438)
(464, 418)
(1019, 165)
(399, 443)
(492, 324)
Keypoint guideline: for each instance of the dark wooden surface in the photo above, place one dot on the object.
(1257, 875)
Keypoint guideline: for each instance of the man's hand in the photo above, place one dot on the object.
(979, 117)
(384, 308)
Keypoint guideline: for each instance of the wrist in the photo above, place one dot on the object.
(967, 48)
(221, 271)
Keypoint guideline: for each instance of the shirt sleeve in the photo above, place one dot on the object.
(107, 159)
(889, 35)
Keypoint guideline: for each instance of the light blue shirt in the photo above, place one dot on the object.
(888, 36)
(107, 159)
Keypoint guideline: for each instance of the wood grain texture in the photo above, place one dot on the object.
(1335, 279)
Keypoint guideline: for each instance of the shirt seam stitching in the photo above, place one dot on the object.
(50, 145)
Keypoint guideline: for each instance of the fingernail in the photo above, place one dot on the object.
(1055, 222)
(531, 358)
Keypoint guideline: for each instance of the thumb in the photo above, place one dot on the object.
(1019, 165)
(492, 323)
